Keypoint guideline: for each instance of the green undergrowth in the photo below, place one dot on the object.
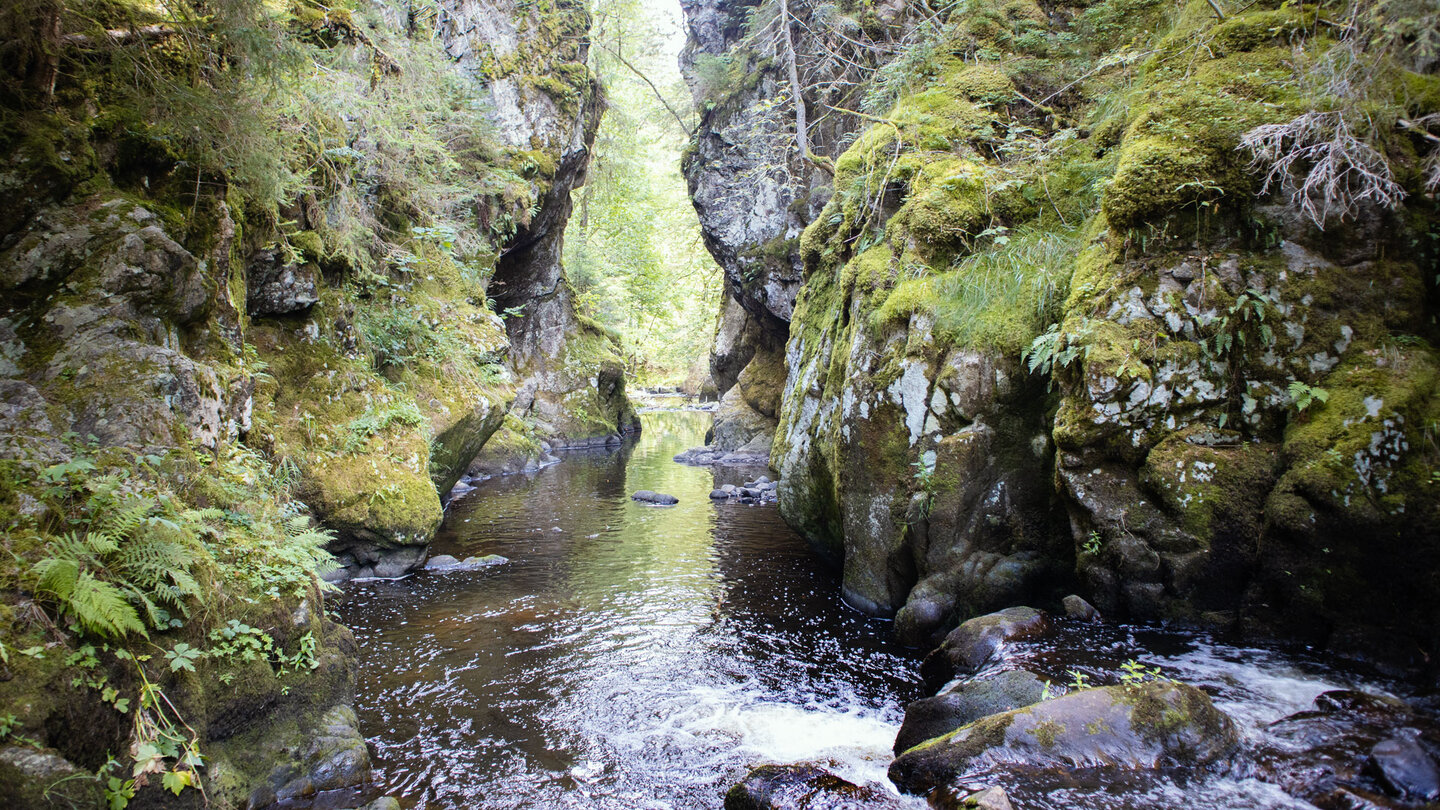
(143, 567)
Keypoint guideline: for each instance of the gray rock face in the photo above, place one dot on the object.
(274, 287)
(966, 703)
(546, 353)
(1140, 726)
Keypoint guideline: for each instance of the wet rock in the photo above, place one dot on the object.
(719, 495)
(699, 456)
(1077, 608)
(1405, 768)
(1139, 726)
(988, 799)
(967, 647)
(398, 562)
(334, 758)
(657, 498)
(807, 787)
(445, 562)
(966, 703)
(383, 803)
(1321, 755)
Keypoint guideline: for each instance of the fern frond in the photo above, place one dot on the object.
(101, 608)
(57, 577)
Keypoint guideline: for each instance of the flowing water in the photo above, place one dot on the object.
(627, 656)
(632, 656)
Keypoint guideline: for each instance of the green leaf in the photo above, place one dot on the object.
(176, 781)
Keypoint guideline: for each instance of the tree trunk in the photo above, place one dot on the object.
(802, 137)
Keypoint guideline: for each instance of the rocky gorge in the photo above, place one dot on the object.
(1055, 302)
(1092, 342)
(1106, 299)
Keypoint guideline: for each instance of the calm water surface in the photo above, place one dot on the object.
(628, 656)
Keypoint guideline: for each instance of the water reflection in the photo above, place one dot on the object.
(628, 655)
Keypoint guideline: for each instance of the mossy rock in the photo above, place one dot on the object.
(1134, 727)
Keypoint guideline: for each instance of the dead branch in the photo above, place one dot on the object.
(656, 90)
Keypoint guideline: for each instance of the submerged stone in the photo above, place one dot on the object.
(656, 498)
(445, 562)
(1406, 768)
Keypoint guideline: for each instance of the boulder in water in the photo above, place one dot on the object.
(1405, 767)
(966, 703)
(719, 495)
(791, 787)
(967, 647)
(656, 498)
(445, 562)
(1132, 726)
(1077, 608)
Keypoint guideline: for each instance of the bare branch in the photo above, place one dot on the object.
(1335, 169)
(684, 127)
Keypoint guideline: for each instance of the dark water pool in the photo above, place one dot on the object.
(627, 656)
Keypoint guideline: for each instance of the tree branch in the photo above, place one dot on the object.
(679, 120)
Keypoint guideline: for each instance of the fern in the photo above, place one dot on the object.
(97, 606)
(129, 571)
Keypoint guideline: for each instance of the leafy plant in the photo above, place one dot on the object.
(1092, 543)
(1054, 350)
(1302, 396)
(128, 568)
(1134, 673)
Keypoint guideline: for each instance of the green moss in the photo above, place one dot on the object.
(1158, 176)
(912, 296)
(1260, 28)
(974, 739)
(1212, 489)
(983, 84)
(1047, 732)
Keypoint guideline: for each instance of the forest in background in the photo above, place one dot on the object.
(632, 249)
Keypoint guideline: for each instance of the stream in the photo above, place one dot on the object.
(627, 656)
(631, 656)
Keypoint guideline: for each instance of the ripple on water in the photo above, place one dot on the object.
(626, 657)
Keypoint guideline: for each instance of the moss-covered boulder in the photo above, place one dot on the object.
(1135, 726)
(966, 703)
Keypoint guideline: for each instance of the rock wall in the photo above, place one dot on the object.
(1052, 334)
(571, 380)
(253, 371)
(752, 194)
